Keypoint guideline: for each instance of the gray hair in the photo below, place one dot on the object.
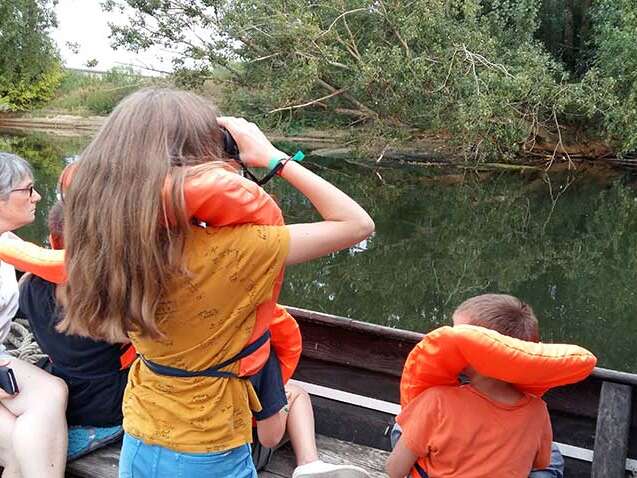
(13, 169)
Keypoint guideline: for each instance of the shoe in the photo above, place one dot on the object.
(319, 469)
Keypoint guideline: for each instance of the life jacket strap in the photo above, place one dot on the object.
(127, 357)
(420, 471)
(213, 371)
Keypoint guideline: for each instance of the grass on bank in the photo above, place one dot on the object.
(85, 93)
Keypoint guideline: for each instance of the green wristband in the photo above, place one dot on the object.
(273, 162)
(298, 157)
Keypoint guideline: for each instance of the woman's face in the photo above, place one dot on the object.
(19, 207)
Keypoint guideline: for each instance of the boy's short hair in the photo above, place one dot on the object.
(56, 220)
(503, 313)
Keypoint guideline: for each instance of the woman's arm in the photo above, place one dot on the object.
(400, 461)
(345, 222)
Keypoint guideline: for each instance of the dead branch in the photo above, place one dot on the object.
(339, 17)
(473, 57)
(395, 30)
(266, 57)
(309, 103)
(559, 145)
(350, 98)
(350, 112)
(382, 153)
(444, 85)
(349, 48)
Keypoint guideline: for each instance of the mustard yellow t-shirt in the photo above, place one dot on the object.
(207, 317)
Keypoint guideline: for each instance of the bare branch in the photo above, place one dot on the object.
(352, 39)
(472, 57)
(350, 98)
(266, 57)
(341, 16)
(395, 30)
(382, 153)
(309, 103)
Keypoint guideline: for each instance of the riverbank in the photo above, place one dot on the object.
(426, 149)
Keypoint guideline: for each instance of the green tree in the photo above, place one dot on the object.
(29, 62)
(473, 68)
(615, 68)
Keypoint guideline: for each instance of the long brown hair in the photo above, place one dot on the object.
(120, 254)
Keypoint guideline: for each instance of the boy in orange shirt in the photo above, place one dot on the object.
(486, 428)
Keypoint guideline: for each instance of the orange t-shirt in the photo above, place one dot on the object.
(459, 432)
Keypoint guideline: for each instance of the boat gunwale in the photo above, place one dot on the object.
(336, 321)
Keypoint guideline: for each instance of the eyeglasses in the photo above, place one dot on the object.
(30, 189)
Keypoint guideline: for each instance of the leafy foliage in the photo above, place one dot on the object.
(82, 92)
(29, 64)
(474, 68)
(615, 68)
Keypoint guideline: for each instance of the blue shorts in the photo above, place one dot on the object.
(139, 460)
(268, 385)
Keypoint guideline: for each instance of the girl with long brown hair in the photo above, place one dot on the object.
(185, 296)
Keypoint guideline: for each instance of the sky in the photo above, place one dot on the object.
(83, 22)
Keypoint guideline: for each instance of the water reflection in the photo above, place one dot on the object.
(565, 243)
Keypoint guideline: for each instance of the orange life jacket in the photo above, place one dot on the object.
(532, 367)
(218, 197)
(286, 340)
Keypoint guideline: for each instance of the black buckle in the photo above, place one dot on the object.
(231, 149)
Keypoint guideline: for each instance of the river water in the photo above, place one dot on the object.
(566, 242)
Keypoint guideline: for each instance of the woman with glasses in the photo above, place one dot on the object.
(32, 419)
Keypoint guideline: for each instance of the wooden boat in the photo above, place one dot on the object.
(352, 371)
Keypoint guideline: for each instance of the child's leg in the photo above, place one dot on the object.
(300, 428)
(300, 425)
(270, 431)
(39, 433)
(7, 458)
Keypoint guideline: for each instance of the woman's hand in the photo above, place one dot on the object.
(255, 150)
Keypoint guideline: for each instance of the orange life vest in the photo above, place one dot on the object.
(218, 197)
(534, 368)
(286, 340)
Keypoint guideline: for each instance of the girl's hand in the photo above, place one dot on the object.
(255, 150)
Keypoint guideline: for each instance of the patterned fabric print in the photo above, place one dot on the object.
(207, 318)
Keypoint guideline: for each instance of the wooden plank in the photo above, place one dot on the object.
(351, 423)
(611, 434)
(102, 463)
(368, 351)
(608, 375)
(350, 379)
(405, 339)
(333, 451)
